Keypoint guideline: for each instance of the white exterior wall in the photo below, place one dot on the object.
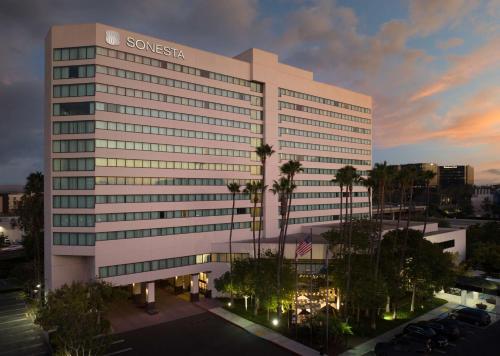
(64, 263)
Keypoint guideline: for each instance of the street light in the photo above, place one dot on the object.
(275, 322)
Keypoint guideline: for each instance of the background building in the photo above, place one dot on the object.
(142, 136)
(455, 176)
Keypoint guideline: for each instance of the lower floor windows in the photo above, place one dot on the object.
(166, 263)
(74, 239)
(74, 220)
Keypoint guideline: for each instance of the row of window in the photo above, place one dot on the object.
(73, 220)
(314, 219)
(166, 263)
(73, 164)
(164, 131)
(325, 124)
(72, 109)
(79, 127)
(323, 136)
(89, 201)
(73, 183)
(71, 90)
(324, 195)
(317, 99)
(88, 183)
(166, 198)
(325, 206)
(73, 238)
(74, 53)
(255, 87)
(168, 231)
(160, 147)
(162, 114)
(319, 183)
(316, 147)
(173, 99)
(157, 164)
(73, 127)
(344, 161)
(316, 111)
(172, 214)
(71, 146)
(150, 78)
(328, 171)
(72, 72)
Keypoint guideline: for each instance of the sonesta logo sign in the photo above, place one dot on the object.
(154, 47)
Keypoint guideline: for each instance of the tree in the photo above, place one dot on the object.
(234, 188)
(30, 212)
(253, 189)
(486, 255)
(486, 207)
(427, 177)
(77, 314)
(263, 152)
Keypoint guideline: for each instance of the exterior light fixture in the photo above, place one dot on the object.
(275, 322)
(228, 304)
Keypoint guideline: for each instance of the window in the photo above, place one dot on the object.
(67, 109)
(75, 53)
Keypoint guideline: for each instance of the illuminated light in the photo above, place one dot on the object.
(228, 304)
(275, 322)
(38, 285)
(387, 317)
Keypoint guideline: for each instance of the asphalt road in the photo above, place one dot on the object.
(480, 341)
(202, 334)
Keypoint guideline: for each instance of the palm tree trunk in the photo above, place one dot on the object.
(349, 250)
(401, 202)
(379, 242)
(427, 202)
(253, 224)
(341, 225)
(413, 294)
(261, 215)
(231, 248)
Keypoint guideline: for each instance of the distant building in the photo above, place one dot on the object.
(10, 195)
(421, 167)
(450, 176)
(482, 193)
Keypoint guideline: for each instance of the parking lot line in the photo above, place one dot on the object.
(117, 342)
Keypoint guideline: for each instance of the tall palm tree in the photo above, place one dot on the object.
(340, 179)
(234, 188)
(402, 179)
(283, 189)
(369, 184)
(351, 177)
(427, 176)
(290, 169)
(253, 190)
(263, 152)
(382, 175)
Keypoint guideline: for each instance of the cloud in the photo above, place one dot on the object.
(450, 43)
(463, 69)
(495, 171)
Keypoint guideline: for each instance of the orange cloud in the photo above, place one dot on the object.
(464, 69)
(450, 43)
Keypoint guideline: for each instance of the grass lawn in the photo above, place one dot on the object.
(363, 331)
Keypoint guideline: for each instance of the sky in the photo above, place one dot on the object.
(432, 67)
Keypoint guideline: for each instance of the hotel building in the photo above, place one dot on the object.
(142, 135)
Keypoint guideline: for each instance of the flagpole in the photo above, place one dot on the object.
(310, 287)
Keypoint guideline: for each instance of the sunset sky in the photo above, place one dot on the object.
(432, 67)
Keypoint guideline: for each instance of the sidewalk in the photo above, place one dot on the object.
(368, 346)
(263, 332)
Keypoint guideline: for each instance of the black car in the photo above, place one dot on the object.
(472, 316)
(441, 329)
(451, 327)
(402, 346)
(425, 332)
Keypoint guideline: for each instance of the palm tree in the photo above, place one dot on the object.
(402, 179)
(263, 152)
(369, 184)
(234, 188)
(382, 175)
(340, 180)
(290, 169)
(427, 176)
(253, 190)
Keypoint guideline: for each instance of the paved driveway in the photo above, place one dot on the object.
(201, 334)
(18, 334)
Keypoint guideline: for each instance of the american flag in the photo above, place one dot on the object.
(304, 246)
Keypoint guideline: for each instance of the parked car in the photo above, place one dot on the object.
(451, 329)
(472, 316)
(423, 331)
(7, 241)
(402, 345)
